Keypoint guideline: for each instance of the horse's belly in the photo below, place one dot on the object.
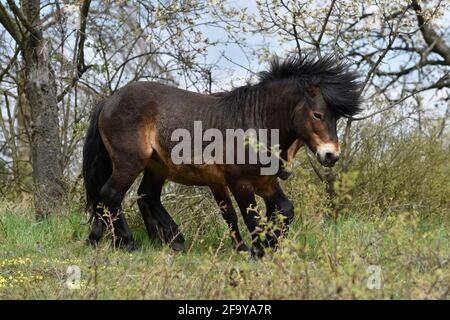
(200, 175)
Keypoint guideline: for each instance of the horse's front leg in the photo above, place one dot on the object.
(244, 194)
(277, 203)
(223, 199)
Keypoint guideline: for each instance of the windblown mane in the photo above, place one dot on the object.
(339, 86)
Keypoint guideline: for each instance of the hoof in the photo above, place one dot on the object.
(241, 247)
(271, 242)
(127, 245)
(130, 247)
(177, 243)
(91, 243)
(257, 253)
(177, 246)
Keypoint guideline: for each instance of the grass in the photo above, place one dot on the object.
(320, 259)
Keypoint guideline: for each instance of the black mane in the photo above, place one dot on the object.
(339, 86)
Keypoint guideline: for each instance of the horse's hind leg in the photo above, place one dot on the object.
(112, 194)
(145, 191)
(223, 199)
(97, 229)
(157, 220)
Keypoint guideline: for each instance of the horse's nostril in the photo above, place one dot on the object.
(331, 157)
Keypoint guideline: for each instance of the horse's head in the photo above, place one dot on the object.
(320, 91)
(315, 125)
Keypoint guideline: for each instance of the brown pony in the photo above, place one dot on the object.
(130, 133)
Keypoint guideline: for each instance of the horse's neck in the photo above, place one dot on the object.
(269, 108)
(279, 116)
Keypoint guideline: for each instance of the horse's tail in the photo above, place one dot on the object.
(97, 165)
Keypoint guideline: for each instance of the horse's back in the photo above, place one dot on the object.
(150, 99)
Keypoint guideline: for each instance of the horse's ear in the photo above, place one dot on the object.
(313, 90)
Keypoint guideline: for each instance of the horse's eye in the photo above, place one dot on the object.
(318, 116)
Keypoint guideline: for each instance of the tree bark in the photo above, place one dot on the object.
(40, 90)
(23, 134)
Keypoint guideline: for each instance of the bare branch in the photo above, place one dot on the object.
(10, 64)
(324, 26)
(442, 83)
(18, 13)
(419, 65)
(81, 67)
(10, 26)
(392, 36)
(430, 36)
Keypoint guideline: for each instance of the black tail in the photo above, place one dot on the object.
(97, 166)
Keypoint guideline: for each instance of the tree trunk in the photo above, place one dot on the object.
(40, 90)
(23, 134)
